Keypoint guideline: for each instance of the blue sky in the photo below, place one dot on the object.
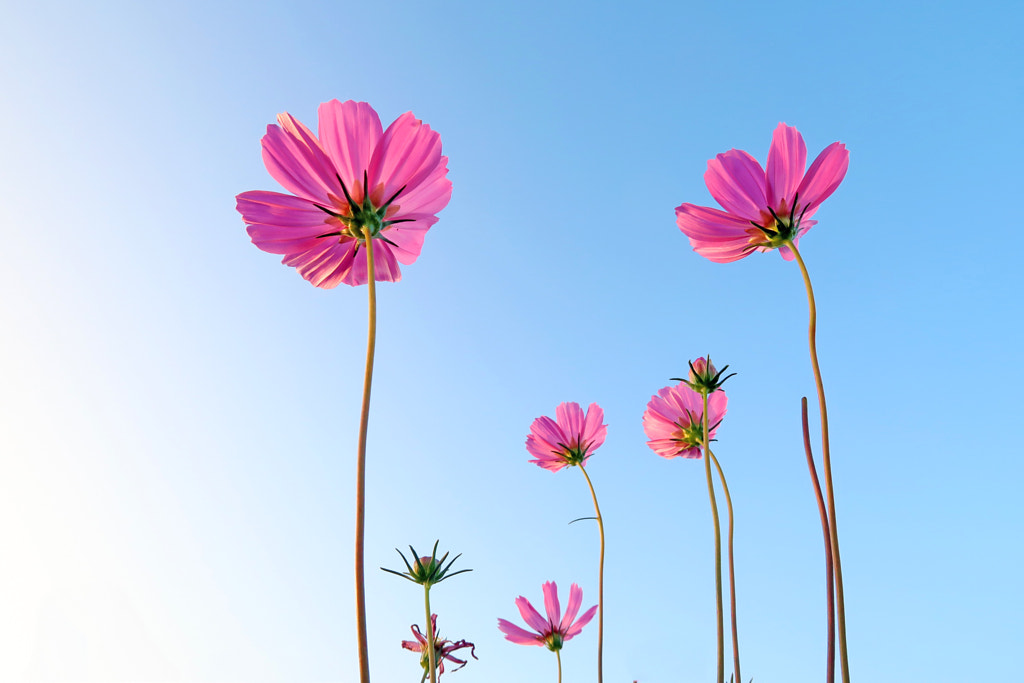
(178, 410)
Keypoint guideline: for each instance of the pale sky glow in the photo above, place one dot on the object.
(178, 410)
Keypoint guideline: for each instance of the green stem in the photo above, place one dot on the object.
(826, 460)
(558, 656)
(431, 655)
(830, 653)
(732, 572)
(600, 580)
(364, 418)
(718, 547)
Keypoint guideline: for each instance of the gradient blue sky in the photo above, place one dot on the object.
(178, 411)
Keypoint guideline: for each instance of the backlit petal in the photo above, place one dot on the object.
(293, 156)
(349, 132)
(737, 182)
(787, 159)
(824, 176)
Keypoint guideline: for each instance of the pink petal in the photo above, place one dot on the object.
(531, 616)
(594, 432)
(518, 635)
(429, 196)
(408, 238)
(787, 159)
(410, 645)
(716, 235)
(282, 224)
(570, 420)
(824, 176)
(575, 600)
(551, 601)
(293, 156)
(737, 182)
(384, 265)
(349, 132)
(575, 629)
(408, 154)
(325, 267)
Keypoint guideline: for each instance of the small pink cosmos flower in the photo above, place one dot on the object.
(569, 439)
(763, 210)
(556, 629)
(674, 420)
(443, 649)
(351, 181)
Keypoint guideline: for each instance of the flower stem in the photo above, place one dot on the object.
(732, 572)
(364, 418)
(826, 460)
(718, 546)
(830, 655)
(558, 656)
(431, 655)
(600, 580)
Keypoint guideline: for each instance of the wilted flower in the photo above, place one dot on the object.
(556, 629)
(443, 649)
(763, 210)
(354, 181)
(570, 439)
(674, 420)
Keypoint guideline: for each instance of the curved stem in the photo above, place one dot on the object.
(718, 547)
(826, 460)
(600, 580)
(558, 655)
(732, 572)
(830, 655)
(364, 418)
(431, 655)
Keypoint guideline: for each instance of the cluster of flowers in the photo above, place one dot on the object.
(355, 185)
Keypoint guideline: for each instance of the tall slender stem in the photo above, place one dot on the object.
(826, 460)
(364, 418)
(830, 655)
(600, 580)
(558, 656)
(718, 546)
(431, 654)
(732, 573)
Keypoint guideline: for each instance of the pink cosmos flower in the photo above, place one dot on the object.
(674, 420)
(351, 181)
(568, 440)
(556, 629)
(443, 649)
(763, 210)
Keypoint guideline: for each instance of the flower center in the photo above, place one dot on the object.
(689, 435)
(575, 453)
(779, 226)
(362, 220)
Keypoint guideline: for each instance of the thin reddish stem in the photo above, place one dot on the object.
(830, 656)
(732, 571)
(826, 460)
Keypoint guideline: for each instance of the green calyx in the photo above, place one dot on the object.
(554, 642)
(425, 570)
(363, 220)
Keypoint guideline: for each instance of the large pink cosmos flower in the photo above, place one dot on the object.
(763, 210)
(674, 420)
(568, 440)
(443, 649)
(351, 181)
(556, 629)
